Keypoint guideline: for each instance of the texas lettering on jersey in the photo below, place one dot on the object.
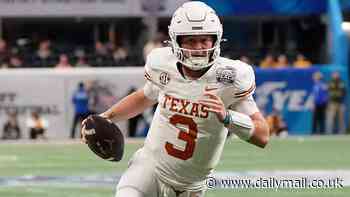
(185, 107)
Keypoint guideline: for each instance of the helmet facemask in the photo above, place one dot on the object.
(197, 59)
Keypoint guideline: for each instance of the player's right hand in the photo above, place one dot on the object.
(215, 105)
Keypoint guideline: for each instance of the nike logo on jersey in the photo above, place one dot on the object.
(210, 89)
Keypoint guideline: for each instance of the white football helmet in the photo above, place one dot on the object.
(195, 18)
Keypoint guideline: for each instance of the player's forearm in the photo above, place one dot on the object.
(261, 133)
(129, 106)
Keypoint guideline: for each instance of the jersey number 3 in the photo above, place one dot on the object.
(189, 137)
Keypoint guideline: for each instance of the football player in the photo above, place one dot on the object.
(201, 98)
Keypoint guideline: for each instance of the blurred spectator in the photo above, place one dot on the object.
(92, 91)
(100, 49)
(301, 62)
(44, 56)
(44, 50)
(79, 52)
(268, 62)
(82, 62)
(277, 126)
(245, 59)
(335, 112)
(37, 126)
(4, 65)
(120, 57)
(282, 61)
(100, 95)
(80, 101)
(15, 62)
(101, 57)
(4, 53)
(152, 44)
(320, 95)
(110, 46)
(63, 62)
(11, 129)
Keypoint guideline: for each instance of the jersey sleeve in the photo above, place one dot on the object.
(244, 82)
(151, 88)
(151, 91)
(246, 106)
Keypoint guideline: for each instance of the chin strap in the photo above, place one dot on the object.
(199, 62)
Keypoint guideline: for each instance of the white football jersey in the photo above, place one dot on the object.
(185, 140)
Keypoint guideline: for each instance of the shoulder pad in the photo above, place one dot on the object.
(245, 80)
(155, 62)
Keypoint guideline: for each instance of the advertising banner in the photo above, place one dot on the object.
(289, 93)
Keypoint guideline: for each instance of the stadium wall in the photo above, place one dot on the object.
(50, 91)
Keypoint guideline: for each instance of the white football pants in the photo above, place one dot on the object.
(140, 180)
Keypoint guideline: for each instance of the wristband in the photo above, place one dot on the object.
(240, 124)
(227, 119)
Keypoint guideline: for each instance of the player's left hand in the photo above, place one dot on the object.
(83, 135)
(215, 105)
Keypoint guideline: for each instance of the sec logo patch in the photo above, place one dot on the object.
(164, 78)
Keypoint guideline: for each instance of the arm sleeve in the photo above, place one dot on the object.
(151, 91)
(246, 106)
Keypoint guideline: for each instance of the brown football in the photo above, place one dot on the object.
(104, 138)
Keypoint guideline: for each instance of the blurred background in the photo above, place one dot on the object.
(61, 60)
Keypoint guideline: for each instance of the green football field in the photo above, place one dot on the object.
(69, 169)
